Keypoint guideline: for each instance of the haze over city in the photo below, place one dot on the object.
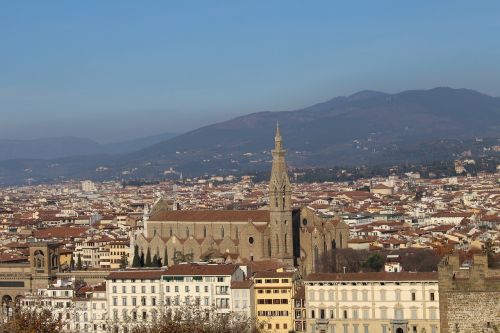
(111, 72)
(250, 167)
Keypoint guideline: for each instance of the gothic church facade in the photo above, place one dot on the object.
(296, 236)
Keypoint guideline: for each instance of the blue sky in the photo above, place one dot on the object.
(111, 70)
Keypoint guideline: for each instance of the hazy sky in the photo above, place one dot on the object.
(110, 70)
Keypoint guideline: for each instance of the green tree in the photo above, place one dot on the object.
(136, 261)
(123, 261)
(79, 265)
(375, 262)
(148, 258)
(165, 257)
(141, 260)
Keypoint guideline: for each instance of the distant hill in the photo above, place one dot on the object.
(365, 128)
(57, 147)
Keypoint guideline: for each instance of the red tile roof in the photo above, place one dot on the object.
(150, 274)
(213, 216)
(203, 269)
(60, 232)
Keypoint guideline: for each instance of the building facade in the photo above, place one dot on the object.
(375, 302)
(274, 292)
(297, 236)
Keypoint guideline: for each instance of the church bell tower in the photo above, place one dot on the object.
(280, 243)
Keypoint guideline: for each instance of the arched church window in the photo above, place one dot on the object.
(269, 253)
(54, 261)
(275, 197)
(324, 246)
(204, 232)
(237, 234)
(340, 238)
(187, 232)
(171, 232)
(277, 245)
(316, 256)
(38, 259)
(334, 244)
(286, 243)
(250, 240)
(154, 232)
(284, 196)
(222, 232)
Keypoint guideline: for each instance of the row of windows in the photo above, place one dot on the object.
(365, 295)
(273, 291)
(272, 313)
(143, 301)
(187, 289)
(272, 280)
(133, 289)
(277, 326)
(273, 301)
(363, 328)
(355, 313)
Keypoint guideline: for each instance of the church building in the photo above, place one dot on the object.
(297, 236)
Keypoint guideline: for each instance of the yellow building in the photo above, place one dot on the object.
(274, 293)
(65, 257)
(117, 250)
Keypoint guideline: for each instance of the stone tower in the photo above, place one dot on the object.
(280, 242)
(44, 261)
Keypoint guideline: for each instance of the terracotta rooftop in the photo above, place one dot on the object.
(246, 284)
(264, 275)
(60, 232)
(213, 216)
(136, 274)
(196, 269)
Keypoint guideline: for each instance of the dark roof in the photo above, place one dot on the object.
(246, 284)
(196, 269)
(374, 276)
(263, 275)
(213, 216)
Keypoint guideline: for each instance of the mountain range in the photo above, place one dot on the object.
(56, 147)
(365, 128)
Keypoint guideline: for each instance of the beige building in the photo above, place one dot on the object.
(118, 251)
(375, 302)
(297, 236)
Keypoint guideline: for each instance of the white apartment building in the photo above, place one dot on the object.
(133, 296)
(93, 252)
(206, 285)
(242, 297)
(73, 305)
(375, 302)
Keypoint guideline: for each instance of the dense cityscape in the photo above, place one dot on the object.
(374, 255)
(249, 166)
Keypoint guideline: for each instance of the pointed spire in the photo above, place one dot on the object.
(277, 138)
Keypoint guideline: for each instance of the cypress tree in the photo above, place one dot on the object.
(148, 258)
(136, 262)
(165, 257)
(79, 262)
(141, 260)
